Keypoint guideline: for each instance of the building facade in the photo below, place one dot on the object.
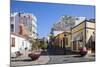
(20, 43)
(83, 35)
(63, 40)
(28, 20)
(23, 31)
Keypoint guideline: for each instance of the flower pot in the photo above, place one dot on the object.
(34, 56)
(83, 52)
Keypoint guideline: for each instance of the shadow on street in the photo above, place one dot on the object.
(51, 50)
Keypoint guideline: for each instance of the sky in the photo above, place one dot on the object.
(49, 13)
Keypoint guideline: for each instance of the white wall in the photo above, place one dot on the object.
(57, 32)
(20, 44)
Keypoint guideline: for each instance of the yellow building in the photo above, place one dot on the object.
(83, 35)
(63, 40)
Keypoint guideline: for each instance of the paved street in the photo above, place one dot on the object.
(28, 61)
(25, 60)
(69, 59)
(50, 59)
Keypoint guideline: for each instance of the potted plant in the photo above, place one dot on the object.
(83, 51)
(35, 55)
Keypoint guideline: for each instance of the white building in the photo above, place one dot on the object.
(20, 43)
(29, 21)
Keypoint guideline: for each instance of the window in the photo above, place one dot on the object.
(81, 36)
(19, 14)
(25, 20)
(33, 32)
(63, 42)
(66, 41)
(12, 28)
(11, 19)
(77, 18)
(74, 45)
(22, 43)
(13, 42)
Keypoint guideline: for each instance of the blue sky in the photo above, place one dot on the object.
(47, 13)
